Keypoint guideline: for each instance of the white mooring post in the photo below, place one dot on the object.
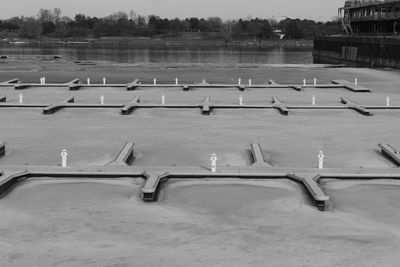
(155, 81)
(304, 82)
(356, 81)
(388, 101)
(321, 157)
(21, 98)
(249, 82)
(315, 81)
(44, 80)
(102, 99)
(104, 80)
(41, 80)
(213, 162)
(163, 99)
(240, 100)
(176, 81)
(64, 156)
(88, 81)
(313, 100)
(239, 81)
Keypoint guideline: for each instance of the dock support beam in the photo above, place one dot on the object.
(151, 187)
(310, 182)
(351, 86)
(2, 149)
(259, 156)
(128, 108)
(9, 83)
(390, 152)
(56, 107)
(124, 156)
(74, 85)
(133, 85)
(7, 180)
(356, 107)
(206, 106)
(279, 106)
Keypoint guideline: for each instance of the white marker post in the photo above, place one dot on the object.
(249, 82)
(21, 98)
(163, 99)
(41, 80)
(240, 100)
(64, 156)
(304, 82)
(213, 162)
(388, 101)
(315, 81)
(102, 99)
(104, 80)
(155, 81)
(88, 81)
(313, 100)
(321, 157)
(239, 81)
(176, 81)
(356, 81)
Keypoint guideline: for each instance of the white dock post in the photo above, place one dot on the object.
(249, 82)
(321, 157)
(240, 100)
(102, 99)
(104, 80)
(88, 81)
(304, 82)
(239, 81)
(64, 156)
(176, 81)
(163, 99)
(21, 98)
(155, 81)
(313, 100)
(356, 81)
(213, 162)
(388, 101)
(315, 81)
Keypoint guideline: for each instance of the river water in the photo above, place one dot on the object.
(272, 55)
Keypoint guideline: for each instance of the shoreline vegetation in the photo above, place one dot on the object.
(130, 29)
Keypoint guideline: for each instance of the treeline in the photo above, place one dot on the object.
(50, 23)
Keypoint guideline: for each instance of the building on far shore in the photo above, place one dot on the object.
(371, 36)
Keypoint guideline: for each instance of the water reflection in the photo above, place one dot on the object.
(272, 55)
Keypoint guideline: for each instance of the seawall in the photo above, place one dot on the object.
(358, 51)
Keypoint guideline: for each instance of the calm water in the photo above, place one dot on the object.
(275, 55)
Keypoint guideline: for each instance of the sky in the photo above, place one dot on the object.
(227, 9)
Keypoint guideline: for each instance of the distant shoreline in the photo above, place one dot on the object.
(140, 42)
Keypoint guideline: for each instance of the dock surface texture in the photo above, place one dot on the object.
(75, 84)
(154, 176)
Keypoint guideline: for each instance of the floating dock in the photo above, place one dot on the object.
(154, 176)
(75, 84)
